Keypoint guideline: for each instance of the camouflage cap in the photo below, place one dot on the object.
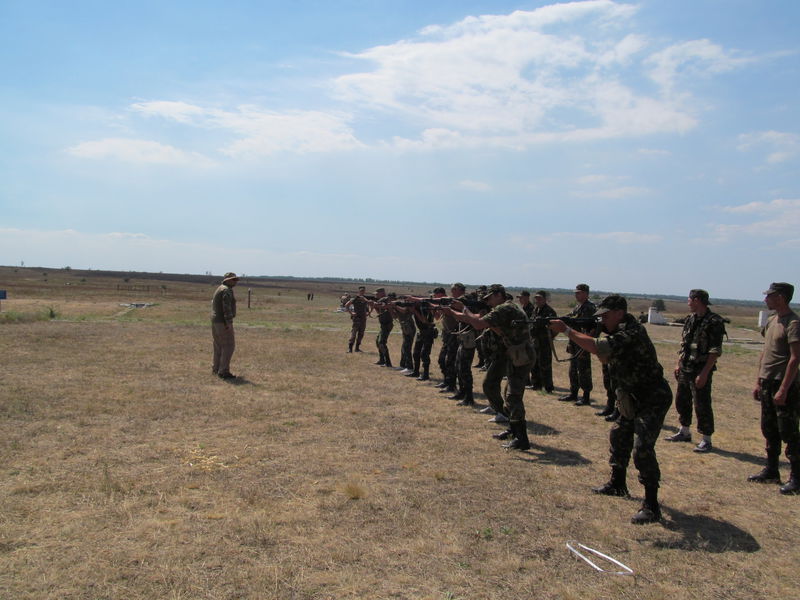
(612, 302)
(230, 276)
(781, 287)
(495, 288)
(540, 294)
(380, 290)
(458, 286)
(524, 293)
(582, 287)
(701, 295)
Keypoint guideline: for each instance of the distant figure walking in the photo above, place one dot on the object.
(223, 311)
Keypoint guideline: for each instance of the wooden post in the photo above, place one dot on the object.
(248, 297)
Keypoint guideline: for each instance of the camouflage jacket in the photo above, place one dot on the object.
(542, 333)
(632, 361)
(223, 305)
(702, 335)
(360, 307)
(584, 311)
(502, 316)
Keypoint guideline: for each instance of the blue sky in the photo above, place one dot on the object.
(645, 146)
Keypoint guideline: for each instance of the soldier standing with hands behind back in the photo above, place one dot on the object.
(223, 311)
(701, 346)
(778, 388)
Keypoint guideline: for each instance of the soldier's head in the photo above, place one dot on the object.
(524, 297)
(698, 300)
(362, 290)
(457, 290)
(611, 312)
(230, 279)
(439, 292)
(779, 295)
(380, 292)
(495, 295)
(540, 298)
(581, 293)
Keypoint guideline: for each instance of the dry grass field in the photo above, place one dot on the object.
(127, 470)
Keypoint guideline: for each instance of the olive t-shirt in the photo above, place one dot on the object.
(778, 334)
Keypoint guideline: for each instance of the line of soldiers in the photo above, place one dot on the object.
(516, 345)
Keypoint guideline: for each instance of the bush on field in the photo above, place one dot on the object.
(23, 317)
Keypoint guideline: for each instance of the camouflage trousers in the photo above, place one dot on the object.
(580, 373)
(357, 330)
(406, 354)
(381, 342)
(447, 358)
(610, 387)
(464, 358)
(688, 394)
(542, 370)
(781, 423)
(422, 348)
(512, 405)
(639, 435)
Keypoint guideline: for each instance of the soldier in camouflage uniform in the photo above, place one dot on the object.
(580, 367)
(359, 311)
(449, 350)
(223, 311)
(643, 396)
(512, 358)
(778, 388)
(409, 329)
(426, 333)
(480, 343)
(542, 370)
(466, 352)
(701, 346)
(386, 321)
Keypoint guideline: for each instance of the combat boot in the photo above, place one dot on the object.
(503, 435)
(459, 395)
(468, 399)
(425, 375)
(584, 401)
(520, 441)
(350, 347)
(769, 474)
(616, 486)
(792, 486)
(571, 397)
(650, 511)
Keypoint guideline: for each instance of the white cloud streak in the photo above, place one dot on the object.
(138, 151)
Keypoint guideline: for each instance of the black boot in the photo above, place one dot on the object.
(571, 397)
(503, 435)
(459, 395)
(425, 375)
(769, 474)
(613, 416)
(350, 347)
(520, 441)
(616, 486)
(468, 399)
(584, 401)
(415, 372)
(650, 511)
(792, 486)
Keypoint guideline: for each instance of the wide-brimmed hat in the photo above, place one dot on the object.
(495, 288)
(229, 276)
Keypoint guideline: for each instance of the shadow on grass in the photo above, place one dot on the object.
(546, 455)
(238, 380)
(701, 533)
(740, 456)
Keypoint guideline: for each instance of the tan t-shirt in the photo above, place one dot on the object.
(778, 334)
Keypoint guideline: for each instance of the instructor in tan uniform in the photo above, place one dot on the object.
(223, 311)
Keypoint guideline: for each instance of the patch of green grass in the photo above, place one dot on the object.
(13, 316)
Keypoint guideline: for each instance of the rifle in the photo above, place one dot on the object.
(579, 323)
(474, 306)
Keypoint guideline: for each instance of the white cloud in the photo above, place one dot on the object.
(263, 132)
(530, 77)
(138, 151)
(474, 186)
(780, 146)
(777, 221)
